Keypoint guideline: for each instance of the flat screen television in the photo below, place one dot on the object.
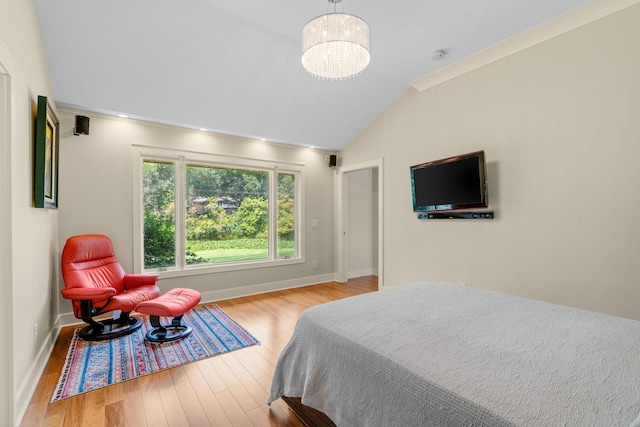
(454, 183)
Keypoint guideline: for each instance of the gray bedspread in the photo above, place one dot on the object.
(436, 354)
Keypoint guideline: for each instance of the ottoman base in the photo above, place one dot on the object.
(174, 303)
(164, 333)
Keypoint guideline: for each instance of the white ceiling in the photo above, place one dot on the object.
(234, 66)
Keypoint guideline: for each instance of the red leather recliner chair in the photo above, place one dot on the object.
(96, 284)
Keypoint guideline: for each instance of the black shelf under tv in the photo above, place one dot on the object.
(455, 215)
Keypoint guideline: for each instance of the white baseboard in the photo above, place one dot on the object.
(68, 319)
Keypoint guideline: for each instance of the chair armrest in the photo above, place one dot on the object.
(87, 293)
(132, 281)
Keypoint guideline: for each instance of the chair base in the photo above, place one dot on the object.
(95, 330)
(165, 333)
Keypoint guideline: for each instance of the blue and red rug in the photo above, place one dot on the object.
(93, 364)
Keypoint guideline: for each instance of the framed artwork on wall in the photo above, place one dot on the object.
(45, 157)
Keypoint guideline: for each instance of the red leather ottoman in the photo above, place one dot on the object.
(174, 303)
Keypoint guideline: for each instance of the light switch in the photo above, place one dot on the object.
(314, 222)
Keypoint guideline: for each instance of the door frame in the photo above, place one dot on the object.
(7, 71)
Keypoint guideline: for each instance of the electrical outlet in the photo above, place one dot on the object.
(35, 331)
(314, 264)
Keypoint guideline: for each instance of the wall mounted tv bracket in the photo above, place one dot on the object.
(455, 215)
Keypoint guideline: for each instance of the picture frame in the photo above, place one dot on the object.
(45, 156)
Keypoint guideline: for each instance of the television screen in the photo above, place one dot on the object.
(450, 184)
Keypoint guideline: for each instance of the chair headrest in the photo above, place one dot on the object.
(87, 247)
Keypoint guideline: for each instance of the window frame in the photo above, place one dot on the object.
(182, 158)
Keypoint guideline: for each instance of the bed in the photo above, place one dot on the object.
(438, 354)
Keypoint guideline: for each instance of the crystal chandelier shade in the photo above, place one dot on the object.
(335, 46)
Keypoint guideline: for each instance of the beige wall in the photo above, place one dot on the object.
(29, 235)
(559, 122)
(96, 196)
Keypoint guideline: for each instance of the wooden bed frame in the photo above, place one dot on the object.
(310, 417)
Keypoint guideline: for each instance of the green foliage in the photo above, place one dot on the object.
(210, 222)
(212, 251)
(213, 182)
(286, 185)
(193, 258)
(286, 217)
(251, 218)
(212, 245)
(158, 187)
(158, 240)
(253, 186)
(286, 206)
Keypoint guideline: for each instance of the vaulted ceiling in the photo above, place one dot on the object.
(234, 66)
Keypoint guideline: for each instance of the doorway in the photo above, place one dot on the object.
(360, 224)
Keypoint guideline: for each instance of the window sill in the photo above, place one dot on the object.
(223, 267)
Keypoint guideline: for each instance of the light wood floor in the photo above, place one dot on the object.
(226, 390)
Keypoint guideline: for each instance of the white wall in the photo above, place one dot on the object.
(96, 186)
(30, 271)
(559, 122)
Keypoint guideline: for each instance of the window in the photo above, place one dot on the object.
(198, 212)
(158, 189)
(286, 215)
(226, 214)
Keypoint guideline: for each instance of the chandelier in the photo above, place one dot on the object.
(335, 46)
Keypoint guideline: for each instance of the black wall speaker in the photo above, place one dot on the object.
(333, 160)
(82, 125)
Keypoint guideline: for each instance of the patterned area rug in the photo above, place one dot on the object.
(91, 365)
